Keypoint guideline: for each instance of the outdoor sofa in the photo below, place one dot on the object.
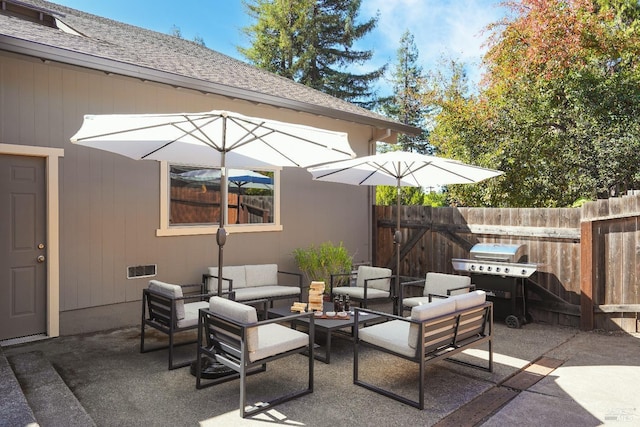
(255, 282)
(434, 332)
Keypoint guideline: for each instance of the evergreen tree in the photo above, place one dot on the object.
(406, 104)
(311, 42)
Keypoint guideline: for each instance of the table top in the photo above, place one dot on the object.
(332, 323)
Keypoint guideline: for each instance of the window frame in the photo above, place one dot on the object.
(167, 229)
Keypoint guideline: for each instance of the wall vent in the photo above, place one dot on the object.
(139, 271)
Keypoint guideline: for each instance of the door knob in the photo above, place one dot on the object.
(40, 258)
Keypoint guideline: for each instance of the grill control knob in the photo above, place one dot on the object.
(473, 267)
(489, 268)
(481, 268)
(497, 269)
(506, 270)
(524, 272)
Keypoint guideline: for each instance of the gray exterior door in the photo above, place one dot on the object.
(23, 281)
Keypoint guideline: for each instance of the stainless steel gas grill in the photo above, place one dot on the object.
(501, 271)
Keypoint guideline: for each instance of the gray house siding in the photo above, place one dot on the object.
(109, 205)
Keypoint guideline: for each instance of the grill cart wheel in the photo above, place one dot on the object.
(512, 321)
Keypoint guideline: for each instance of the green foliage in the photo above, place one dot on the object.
(558, 112)
(435, 200)
(405, 105)
(312, 43)
(409, 196)
(320, 262)
(386, 195)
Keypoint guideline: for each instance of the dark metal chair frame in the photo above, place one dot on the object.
(206, 277)
(362, 302)
(448, 343)
(224, 340)
(159, 312)
(420, 284)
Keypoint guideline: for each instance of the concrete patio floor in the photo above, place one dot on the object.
(583, 379)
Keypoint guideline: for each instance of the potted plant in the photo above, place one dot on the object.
(318, 263)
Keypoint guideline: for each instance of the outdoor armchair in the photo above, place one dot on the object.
(437, 285)
(229, 332)
(432, 333)
(372, 283)
(166, 309)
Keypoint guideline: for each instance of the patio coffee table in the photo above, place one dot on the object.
(328, 326)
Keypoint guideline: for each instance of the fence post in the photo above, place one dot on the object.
(587, 275)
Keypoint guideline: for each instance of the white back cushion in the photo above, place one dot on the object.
(261, 274)
(171, 291)
(439, 283)
(368, 272)
(232, 272)
(468, 300)
(240, 313)
(438, 307)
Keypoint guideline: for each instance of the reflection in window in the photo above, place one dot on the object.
(195, 196)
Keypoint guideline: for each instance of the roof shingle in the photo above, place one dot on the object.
(136, 47)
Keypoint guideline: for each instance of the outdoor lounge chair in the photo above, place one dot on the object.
(166, 309)
(434, 332)
(229, 332)
(436, 285)
(372, 283)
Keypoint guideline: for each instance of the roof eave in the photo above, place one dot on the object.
(51, 53)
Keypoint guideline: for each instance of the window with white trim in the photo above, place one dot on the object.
(192, 200)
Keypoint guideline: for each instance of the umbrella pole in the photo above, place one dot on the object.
(221, 235)
(397, 239)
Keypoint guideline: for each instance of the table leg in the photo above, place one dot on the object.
(328, 348)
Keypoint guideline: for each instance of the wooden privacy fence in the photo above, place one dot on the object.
(588, 258)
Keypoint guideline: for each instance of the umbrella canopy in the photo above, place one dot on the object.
(401, 169)
(213, 139)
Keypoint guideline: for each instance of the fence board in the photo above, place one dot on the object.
(552, 237)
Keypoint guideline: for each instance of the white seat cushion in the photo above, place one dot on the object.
(390, 335)
(240, 313)
(367, 272)
(274, 339)
(170, 291)
(439, 283)
(414, 301)
(273, 291)
(191, 313)
(355, 292)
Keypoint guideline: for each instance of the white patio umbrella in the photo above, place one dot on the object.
(213, 139)
(401, 169)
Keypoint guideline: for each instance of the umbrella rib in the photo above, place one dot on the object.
(350, 166)
(271, 130)
(206, 140)
(121, 132)
(242, 141)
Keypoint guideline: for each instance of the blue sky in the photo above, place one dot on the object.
(440, 27)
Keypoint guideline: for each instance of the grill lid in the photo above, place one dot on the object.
(497, 252)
